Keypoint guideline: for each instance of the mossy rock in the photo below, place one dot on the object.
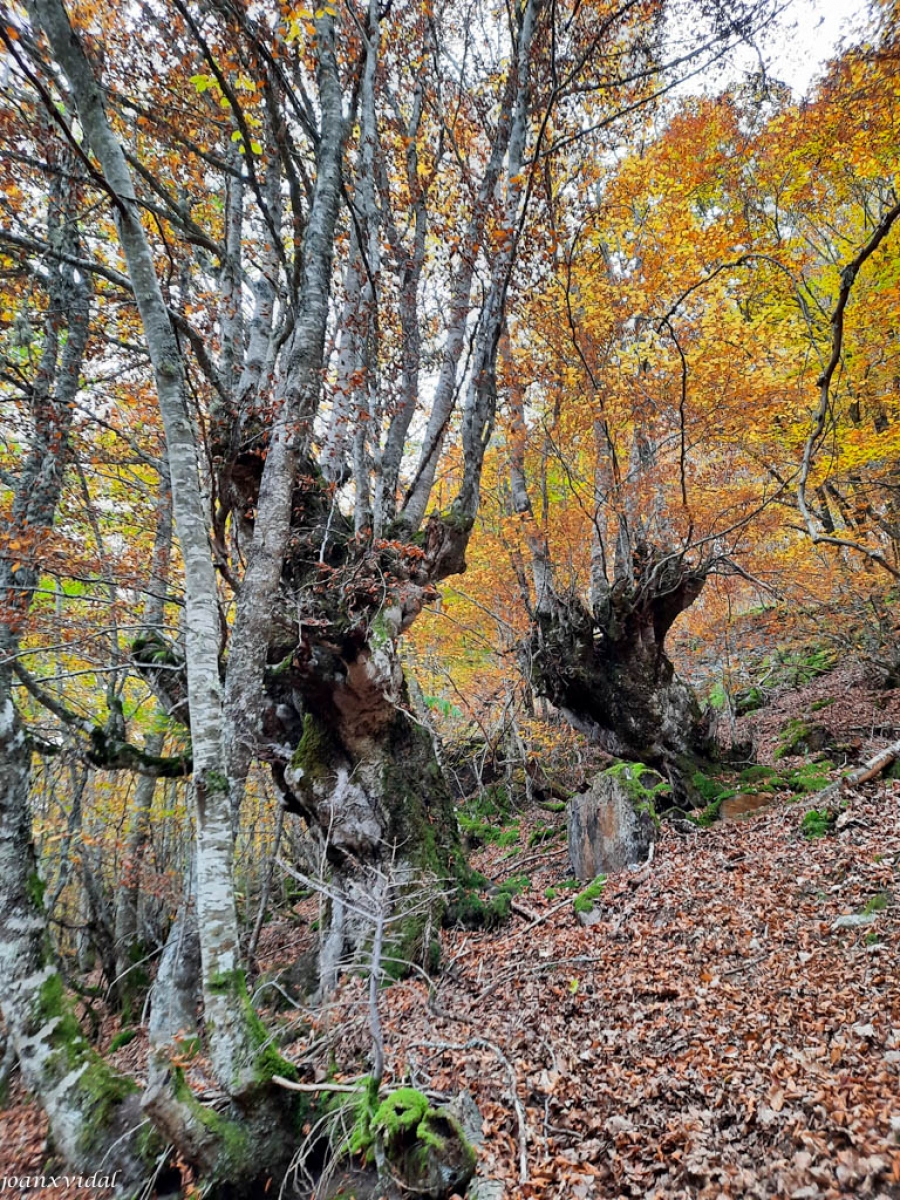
(614, 823)
(584, 903)
(428, 1153)
(801, 737)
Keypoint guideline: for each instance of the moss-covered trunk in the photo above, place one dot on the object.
(364, 773)
(89, 1106)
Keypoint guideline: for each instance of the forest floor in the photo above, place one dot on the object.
(719, 1032)
(729, 1027)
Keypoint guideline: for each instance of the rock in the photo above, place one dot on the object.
(613, 824)
(293, 985)
(854, 921)
(594, 917)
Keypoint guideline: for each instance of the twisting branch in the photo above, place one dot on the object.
(848, 278)
(104, 750)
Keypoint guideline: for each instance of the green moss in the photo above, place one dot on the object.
(406, 946)
(818, 705)
(267, 1061)
(103, 1088)
(816, 823)
(68, 1040)
(709, 789)
(478, 832)
(379, 633)
(748, 700)
(404, 1109)
(629, 774)
(485, 818)
(471, 911)
(107, 1091)
(150, 1143)
(584, 901)
(554, 806)
(34, 889)
(543, 833)
(315, 751)
(757, 774)
(800, 737)
(122, 1039)
(233, 1137)
(407, 1128)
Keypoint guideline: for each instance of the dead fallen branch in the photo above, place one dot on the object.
(324, 1086)
(868, 771)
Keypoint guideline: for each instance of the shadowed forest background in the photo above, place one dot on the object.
(450, 494)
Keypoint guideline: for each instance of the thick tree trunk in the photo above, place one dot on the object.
(364, 773)
(610, 676)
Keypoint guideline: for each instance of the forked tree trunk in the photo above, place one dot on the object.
(610, 676)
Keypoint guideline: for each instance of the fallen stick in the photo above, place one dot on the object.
(324, 1086)
(868, 771)
(537, 921)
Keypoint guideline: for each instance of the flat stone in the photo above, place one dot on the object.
(854, 921)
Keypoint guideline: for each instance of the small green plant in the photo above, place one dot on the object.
(509, 837)
(550, 893)
(816, 823)
(543, 833)
(818, 705)
(122, 1039)
(876, 904)
(584, 901)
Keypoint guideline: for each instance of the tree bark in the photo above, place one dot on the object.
(89, 1106)
(350, 756)
(609, 674)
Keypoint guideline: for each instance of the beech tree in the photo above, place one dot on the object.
(319, 219)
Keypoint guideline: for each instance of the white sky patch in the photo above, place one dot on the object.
(806, 37)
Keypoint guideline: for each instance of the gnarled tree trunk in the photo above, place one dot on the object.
(608, 671)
